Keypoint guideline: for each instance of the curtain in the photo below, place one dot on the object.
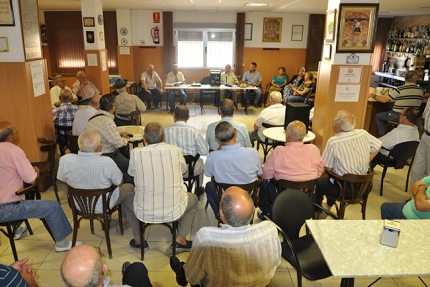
(381, 36)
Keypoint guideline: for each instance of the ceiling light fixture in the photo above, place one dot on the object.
(256, 4)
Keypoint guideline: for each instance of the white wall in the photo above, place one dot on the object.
(14, 38)
(288, 20)
(141, 23)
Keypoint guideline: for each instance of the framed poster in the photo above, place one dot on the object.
(272, 29)
(88, 21)
(6, 15)
(357, 25)
(30, 29)
(297, 33)
(329, 30)
(248, 31)
(327, 51)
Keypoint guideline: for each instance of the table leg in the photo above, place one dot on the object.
(347, 282)
(246, 102)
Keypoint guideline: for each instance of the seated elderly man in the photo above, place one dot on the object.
(160, 193)
(65, 113)
(274, 115)
(59, 85)
(152, 86)
(15, 169)
(295, 161)
(83, 267)
(84, 89)
(173, 77)
(253, 78)
(232, 164)
(125, 103)
(83, 115)
(404, 132)
(229, 78)
(90, 170)
(113, 142)
(188, 139)
(237, 254)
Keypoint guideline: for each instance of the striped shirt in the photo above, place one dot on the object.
(106, 128)
(160, 192)
(150, 81)
(245, 256)
(81, 119)
(403, 133)
(65, 114)
(348, 152)
(426, 117)
(187, 138)
(127, 103)
(10, 277)
(89, 90)
(90, 170)
(242, 137)
(409, 95)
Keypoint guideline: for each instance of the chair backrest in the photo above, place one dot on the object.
(191, 163)
(304, 186)
(290, 210)
(360, 185)
(50, 146)
(84, 201)
(252, 188)
(73, 142)
(133, 89)
(270, 126)
(206, 81)
(402, 152)
(136, 118)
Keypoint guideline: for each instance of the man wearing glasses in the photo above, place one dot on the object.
(84, 89)
(60, 84)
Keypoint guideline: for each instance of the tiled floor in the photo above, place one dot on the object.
(46, 261)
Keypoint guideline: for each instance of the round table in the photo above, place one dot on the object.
(136, 131)
(278, 134)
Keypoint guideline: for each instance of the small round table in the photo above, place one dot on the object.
(136, 131)
(278, 134)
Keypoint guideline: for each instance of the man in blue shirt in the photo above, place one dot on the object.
(253, 78)
(232, 164)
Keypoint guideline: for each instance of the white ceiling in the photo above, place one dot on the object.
(388, 8)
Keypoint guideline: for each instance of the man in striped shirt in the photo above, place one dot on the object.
(188, 139)
(125, 104)
(348, 151)
(409, 95)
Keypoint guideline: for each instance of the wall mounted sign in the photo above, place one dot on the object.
(248, 31)
(357, 25)
(6, 15)
(4, 47)
(327, 51)
(347, 93)
(297, 33)
(349, 75)
(272, 29)
(352, 59)
(30, 29)
(88, 21)
(155, 17)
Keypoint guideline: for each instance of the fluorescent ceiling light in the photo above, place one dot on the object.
(256, 4)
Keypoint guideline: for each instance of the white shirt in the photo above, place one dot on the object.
(81, 119)
(273, 115)
(160, 192)
(172, 78)
(402, 133)
(151, 81)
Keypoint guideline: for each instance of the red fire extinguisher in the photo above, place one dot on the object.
(155, 33)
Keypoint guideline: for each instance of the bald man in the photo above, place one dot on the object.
(152, 86)
(84, 89)
(217, 251)
(65, 113)
(83, 266)
(15, 170)
(83, 115)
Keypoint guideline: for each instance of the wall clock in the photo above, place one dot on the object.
(123, 31)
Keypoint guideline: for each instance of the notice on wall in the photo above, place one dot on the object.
(124, 50)
(347, 93)
(92, 60)
(104, 63)
(37, 78)
(349, 75)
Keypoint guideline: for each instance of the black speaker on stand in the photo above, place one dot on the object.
(297, 111)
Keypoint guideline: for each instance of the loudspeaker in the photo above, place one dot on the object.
(215, 78)
(297, 111)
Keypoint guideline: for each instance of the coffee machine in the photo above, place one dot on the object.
(385, 67)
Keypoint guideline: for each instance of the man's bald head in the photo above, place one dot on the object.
(95, 101)
(236, 207)
(83, 266)
(65, 96)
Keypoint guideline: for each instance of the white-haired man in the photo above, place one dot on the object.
(84, 89)
(173, 77)
(59, 85)
(152, 86)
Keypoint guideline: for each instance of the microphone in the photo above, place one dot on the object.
(226, 84)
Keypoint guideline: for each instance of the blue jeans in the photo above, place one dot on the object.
(267, 196)
(392, 210)
(383, 118)
(49, 210)
(326, 186)
(295, 99)
(211, 196)
(171, 97)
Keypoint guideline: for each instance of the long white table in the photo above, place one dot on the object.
(209, 87)
(278, 134)
(351, 248)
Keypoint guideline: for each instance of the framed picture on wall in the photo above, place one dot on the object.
(248, 31)
(6, 15)
(297, 33)
(330, 20)
(88, 21)
(357, 25)
(272, 29)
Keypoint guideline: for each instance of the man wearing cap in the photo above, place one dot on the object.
(152, 85)
(173, 77)
(84, 89)
(60, 84)
(125, 103)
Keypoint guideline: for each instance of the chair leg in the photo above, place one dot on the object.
(10, 235)
(409, 172)
(382, 180)
(121, 227)
(46, 227)
(206, 206)
(75, 231)
(27, 224)
(106, 228)
(174, 228)
(141, 231)
(92, 226)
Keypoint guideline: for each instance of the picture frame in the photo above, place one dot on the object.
(88, 21)
(6, 17)
(357, 26)
(330, 25)
(272, 29)
(4, 47)
(327, 51)
(90, 37)
(248, 31)
(297, 33)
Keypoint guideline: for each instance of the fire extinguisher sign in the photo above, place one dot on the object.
(156, 17)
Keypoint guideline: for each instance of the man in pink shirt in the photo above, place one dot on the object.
(15, 169)
(295, 161)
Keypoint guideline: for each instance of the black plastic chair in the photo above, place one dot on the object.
(61, 134)
(290, 211)
(207, 81)
(398, 158)
(191, 178)
(73, 142)
(267, 144)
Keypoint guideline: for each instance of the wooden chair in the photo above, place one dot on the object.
(359, 186)
(307, 187)
(73, 142)
(48, 168)
(290, 211)
(61, 133)
(267, 144)
(253, 190)
(191, 177)
(11, 226)
(398, 158)
(134, 118)
(83, 204)
(173, 227)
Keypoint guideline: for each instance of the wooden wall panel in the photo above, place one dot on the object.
(95, 74)
(143, 56)
(240, 42)
(126, 65)
(315, 41)
(31, 115)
